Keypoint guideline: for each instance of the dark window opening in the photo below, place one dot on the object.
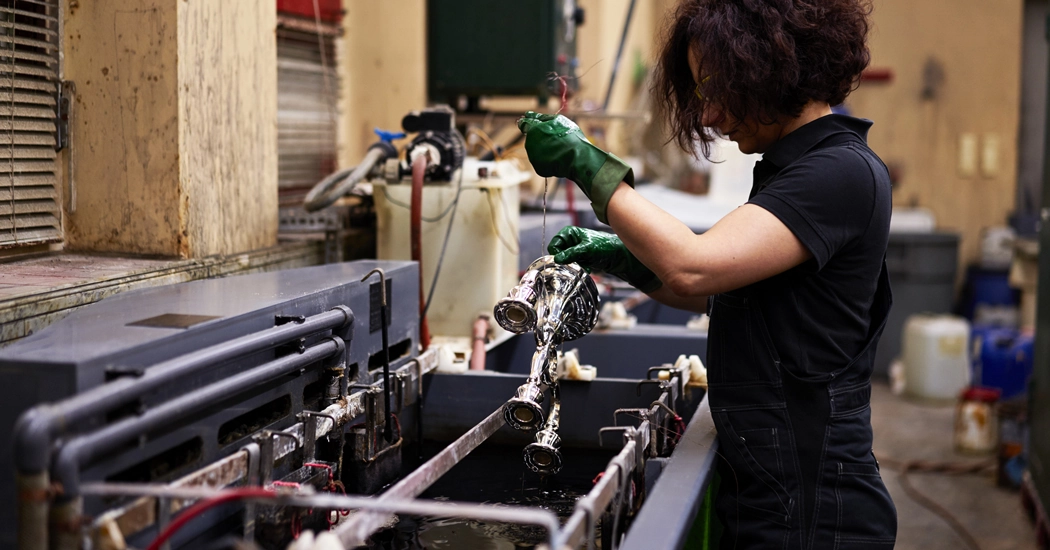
(255, 420)
(163, 465)
(397, 351)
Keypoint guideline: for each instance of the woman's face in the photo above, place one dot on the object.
(749, 135)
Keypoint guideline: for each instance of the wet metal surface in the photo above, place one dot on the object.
(494, 475)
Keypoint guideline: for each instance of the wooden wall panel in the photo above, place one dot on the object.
(382, 69)
(228, 125)
(121, 55)
(174, 145)
(957, 71)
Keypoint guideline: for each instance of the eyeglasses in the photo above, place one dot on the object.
(699, 94)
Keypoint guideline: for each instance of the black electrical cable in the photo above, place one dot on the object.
(619, 55)
(448, 231)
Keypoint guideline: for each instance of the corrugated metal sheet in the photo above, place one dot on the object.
(29, 208)
(306, 110)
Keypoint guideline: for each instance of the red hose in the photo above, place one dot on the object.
(419, 167)
(204, 506)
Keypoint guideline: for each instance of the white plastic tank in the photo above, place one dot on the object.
(481, 260)
(936, 356)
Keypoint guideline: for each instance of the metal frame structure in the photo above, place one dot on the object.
(662, 523)
(219, 349)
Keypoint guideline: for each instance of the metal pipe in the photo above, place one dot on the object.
(517, 311)
(619, 56)
(85, 448)
(331, 501)
(360, 527)
(481, 332)
(599, 497)
(38, 427)
(33, 495)
(66, 521)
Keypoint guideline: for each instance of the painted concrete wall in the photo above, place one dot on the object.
(383, 69)
(174, 147)
(949, 119)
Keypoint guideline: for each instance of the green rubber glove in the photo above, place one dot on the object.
(557, 148)
(601, 252)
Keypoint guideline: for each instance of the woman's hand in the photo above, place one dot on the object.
(601, 252)
(557, 148)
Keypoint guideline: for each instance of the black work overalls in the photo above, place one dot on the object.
(763, 492)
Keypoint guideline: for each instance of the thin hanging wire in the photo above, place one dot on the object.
(543, 227)
(329, 96)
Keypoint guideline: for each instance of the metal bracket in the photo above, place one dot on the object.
(642, 415)
(627, 430)
(309, 436)
(66, 90)
(309, 419)
(265, 442)
(251, 480)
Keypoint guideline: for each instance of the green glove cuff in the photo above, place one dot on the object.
(605, 182)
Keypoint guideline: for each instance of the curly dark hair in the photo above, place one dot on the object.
(761, 60)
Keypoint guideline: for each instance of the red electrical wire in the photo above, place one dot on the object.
(204, 506)
(419, 167)
(564, 91)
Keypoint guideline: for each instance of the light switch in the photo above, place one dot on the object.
(967, 155)
(990, 155)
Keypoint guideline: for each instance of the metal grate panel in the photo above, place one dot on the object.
(29, 208)
(307, 96)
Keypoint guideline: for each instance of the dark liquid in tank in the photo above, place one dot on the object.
(496, 475)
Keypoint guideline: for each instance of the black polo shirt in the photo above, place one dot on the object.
(825, 184)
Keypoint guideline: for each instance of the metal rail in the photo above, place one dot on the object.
(38, 426)
(588, 507)
(331, 501)
(356, 531)
(682, 485)
(235, 469)
(696, 450)
(400, 498)
(83, 449)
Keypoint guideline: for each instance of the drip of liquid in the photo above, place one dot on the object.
(543, 228)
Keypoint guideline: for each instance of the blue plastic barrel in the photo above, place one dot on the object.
(989, 287)
(1003, 359)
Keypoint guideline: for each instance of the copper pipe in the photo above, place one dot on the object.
(481, 331)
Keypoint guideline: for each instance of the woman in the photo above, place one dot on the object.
(796, 277)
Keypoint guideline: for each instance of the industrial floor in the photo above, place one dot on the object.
(906, 430)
